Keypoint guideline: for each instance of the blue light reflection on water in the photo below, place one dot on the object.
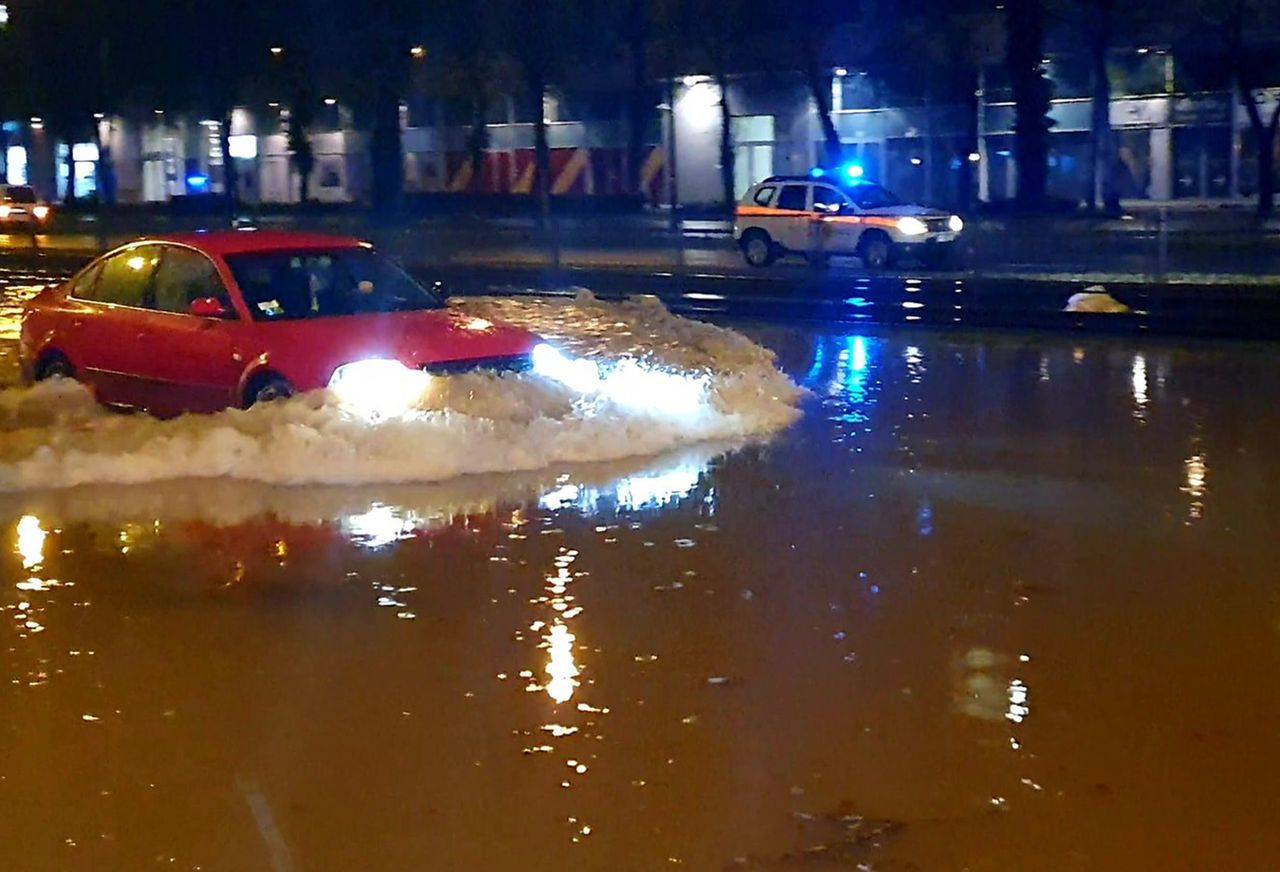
(843, 372)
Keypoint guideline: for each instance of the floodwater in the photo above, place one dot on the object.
(992, 603)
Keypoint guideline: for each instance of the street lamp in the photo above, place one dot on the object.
(418, 51)
(277, 50)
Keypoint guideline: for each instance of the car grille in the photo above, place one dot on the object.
(505, 363)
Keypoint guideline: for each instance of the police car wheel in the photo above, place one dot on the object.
(876, 252)
(758, 249)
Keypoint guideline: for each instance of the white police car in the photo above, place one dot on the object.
(839, 213)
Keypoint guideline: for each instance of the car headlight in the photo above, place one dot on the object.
(41, 212)
(4, 211)
(378, 388)
(955, 224)
(912, 226)
(575, 373)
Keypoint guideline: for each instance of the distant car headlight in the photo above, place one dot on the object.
(378, 388)
(912, 226)
(575, 373)
(41, 212)
(955, 224)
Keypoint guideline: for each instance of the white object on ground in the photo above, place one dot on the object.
(1096, 299)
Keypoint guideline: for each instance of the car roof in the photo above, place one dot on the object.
(821, 180)
(224, 242)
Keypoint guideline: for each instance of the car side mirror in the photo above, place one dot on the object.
(209, 307)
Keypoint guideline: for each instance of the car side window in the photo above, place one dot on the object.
(82, 286)
(828, 200)
(764, 196)
(793, 197)
(183, 277)
(126, 277)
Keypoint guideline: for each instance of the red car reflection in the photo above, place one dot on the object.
(204, 321)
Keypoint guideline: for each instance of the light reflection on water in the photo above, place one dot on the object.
(1138, 379)
(641, 491)
(1196, 474)
(30, 542)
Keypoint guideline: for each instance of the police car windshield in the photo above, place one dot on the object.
(869, 195)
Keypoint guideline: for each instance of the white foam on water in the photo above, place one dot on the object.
(53, 436)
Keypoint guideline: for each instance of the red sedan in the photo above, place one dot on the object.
(204, 321)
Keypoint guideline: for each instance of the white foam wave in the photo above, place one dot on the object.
(52, 436)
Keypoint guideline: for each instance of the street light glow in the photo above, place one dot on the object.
(418, 51)
(277, 50)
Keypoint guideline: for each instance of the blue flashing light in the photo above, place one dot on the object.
(853, 170)
(817, 173)
(198, 181)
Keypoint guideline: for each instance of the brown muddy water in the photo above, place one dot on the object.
(993, 603)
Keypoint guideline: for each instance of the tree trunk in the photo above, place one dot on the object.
(69, 195)
(541, 151)
(1102, 190)
(386, 151)
(1266, 172)
(820, 86)
(964, 196)
(726, 140)
(1264, 133)
(230, 183)
(638, 103)
(1031, 91)
(477, 137)
(304, 186)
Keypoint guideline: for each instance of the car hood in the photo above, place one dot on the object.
(905, 210)
(309, 350)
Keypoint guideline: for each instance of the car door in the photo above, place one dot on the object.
(835, 225)
(791, 224)
(109, 324)
(191, 364)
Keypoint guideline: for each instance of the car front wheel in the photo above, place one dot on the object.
(268, 389)
(54, 366)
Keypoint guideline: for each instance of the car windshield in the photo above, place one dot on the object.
(21, 194)
(290, 285)
(869, 195)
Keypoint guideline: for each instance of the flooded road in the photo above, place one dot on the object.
(992, 603)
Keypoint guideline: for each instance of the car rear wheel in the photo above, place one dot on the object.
(268, 389)
(54, 366)
(758, 248)
(875, 250)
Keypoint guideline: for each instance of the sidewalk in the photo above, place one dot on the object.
(1201, 246)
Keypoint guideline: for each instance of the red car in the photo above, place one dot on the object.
(206, 321)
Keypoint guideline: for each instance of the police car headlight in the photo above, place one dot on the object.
(912, 226)
(955, 224)
(378, 388)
